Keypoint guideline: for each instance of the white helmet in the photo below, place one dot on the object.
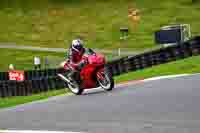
(77, 45)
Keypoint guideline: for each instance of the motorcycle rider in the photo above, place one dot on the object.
(75, 60)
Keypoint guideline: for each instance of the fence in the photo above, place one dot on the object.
(45, 80)
(3, 76)
(29, 87)
(156, 57)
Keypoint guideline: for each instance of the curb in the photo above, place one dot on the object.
(151, 79)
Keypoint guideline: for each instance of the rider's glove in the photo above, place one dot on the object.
(86, 61)
(82, 64)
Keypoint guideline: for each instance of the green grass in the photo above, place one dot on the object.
(23, 59)
(189, 65)
(13, 101)
(54, 23)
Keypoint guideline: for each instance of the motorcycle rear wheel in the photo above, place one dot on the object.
(105, 80)
(73, 87)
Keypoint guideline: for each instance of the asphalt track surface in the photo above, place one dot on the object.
(161, 106)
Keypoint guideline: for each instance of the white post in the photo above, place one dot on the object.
(119, 52)
(11, 67)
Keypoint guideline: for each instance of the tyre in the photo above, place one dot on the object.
(74, 88)
(105, 80)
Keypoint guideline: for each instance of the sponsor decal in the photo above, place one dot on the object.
(17, 75)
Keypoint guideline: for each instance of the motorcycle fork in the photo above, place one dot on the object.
(99, 75)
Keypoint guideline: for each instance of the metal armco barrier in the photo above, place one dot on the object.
(46, 80)
(32, 75)
(29, 87)
(3, 76)
(156, 57)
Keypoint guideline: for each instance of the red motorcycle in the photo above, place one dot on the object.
(92, 75)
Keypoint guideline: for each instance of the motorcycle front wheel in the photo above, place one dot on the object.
(74, 88)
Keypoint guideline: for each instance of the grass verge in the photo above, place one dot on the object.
(23, 59)
(189, 65)
(13, 101)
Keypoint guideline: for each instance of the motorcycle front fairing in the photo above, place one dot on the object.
(87, 74)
